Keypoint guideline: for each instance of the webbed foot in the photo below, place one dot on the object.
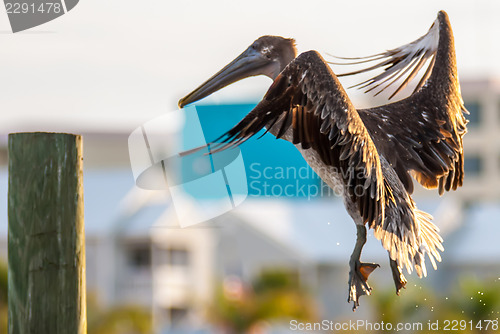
(358, 285)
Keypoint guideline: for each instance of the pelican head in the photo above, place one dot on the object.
(268, 55)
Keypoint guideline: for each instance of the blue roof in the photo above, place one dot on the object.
(321, 230)
(139, 224)
(103, 191)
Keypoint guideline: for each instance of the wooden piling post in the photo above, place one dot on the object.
(46, 234)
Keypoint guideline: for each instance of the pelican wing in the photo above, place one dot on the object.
(307, 101)
(422, 134)
(400, 65)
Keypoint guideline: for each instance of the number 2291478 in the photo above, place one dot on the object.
(32, 8)
(461, 325)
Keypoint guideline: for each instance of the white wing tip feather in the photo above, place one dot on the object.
(399, 64)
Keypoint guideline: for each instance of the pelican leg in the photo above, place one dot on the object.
(397, 274)
(359, 271)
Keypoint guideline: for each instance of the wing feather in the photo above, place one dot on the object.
(422, 134)
(397, 62)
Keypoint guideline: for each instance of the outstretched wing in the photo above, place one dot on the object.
(422, 134)
(307, 102)
(401, 65)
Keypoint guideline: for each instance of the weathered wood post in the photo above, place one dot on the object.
(46, 234)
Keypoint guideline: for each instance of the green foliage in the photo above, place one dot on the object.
(474, 300)
(3, 298)
(275, 280)
(274, 295)
(3, 283)
(117, 320)
(415, 303)
(471, 301)
(235, 314)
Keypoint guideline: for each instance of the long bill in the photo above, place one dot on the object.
(249, 63)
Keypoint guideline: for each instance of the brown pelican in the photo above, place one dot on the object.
(369, 153)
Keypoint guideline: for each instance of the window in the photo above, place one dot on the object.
(178, 257)
(474, 108)
(177, 315)
(139, 256)
(473, 166)
(173, 256)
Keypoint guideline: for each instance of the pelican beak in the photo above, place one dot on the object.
(249, 63)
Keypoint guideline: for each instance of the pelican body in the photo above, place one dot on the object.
(369, 154)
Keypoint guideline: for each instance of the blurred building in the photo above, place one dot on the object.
(138, 254)
(482, 142)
